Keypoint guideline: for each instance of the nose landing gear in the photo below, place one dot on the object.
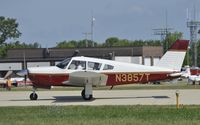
(33, 95)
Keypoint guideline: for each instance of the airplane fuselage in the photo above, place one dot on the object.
(47, 80)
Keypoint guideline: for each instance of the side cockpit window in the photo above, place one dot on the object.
(64, 63)
(94, 66)
(108, 67)
(77, 65)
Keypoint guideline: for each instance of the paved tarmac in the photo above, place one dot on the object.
(101, 97)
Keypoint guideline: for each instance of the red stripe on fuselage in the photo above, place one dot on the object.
(47, 80)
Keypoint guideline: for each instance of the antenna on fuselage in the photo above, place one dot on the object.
(76, 52)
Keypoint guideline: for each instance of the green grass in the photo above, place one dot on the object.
(100, 115)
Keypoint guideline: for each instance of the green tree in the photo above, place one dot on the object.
(8, 29)
(137, 43)
(153, 42)
(111, 41)
(67, 44)
(75, 44)
(17, 44)
(198, 53)
(86, 43)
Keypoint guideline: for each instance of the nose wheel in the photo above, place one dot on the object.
(33, 96)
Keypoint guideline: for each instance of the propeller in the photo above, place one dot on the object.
(23, 73)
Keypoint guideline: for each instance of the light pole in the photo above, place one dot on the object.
(86, 41)
(92, 30)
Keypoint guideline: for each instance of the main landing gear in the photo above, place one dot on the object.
(86, 97)
(87, 92)
(33, 95)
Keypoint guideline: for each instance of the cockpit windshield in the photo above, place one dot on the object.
(64, 63)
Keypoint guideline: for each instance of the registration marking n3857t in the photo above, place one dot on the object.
(132, 77)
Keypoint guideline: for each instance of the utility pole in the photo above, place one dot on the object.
(92, 29)
(193, 25)
(86, 38)
(163, 32)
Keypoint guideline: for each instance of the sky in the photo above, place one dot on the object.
(51, 21)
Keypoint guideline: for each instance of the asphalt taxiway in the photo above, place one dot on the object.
(101, 97)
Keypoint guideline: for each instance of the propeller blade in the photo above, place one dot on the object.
(25, 79)
(8, 74)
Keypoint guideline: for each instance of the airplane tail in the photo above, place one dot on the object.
(174, 57)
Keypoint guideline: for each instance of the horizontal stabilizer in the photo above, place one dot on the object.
(175, 74)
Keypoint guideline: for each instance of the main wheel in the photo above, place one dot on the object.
(33, 96)
(86, 97)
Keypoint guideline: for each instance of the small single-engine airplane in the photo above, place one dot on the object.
(191, 78)
(4, 80)
(88, 72)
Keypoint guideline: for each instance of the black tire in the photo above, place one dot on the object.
(33, 96)
(84, 97)
(83, 92)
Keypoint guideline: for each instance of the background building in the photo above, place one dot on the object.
(18, 59)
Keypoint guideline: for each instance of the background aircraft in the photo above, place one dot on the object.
(88, 72)
(15, 81)
(191, 78)
(4, 80)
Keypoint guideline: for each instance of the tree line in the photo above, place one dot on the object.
(116, 42)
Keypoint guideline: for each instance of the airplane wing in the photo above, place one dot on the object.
(81, 78)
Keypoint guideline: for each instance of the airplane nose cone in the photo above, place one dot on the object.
(22, 72)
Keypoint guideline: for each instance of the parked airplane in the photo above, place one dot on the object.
(3, 80)
(88, 72)
(191, 78)
(20, 81)
(15, 81)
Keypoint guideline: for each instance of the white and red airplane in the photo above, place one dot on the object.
(88, 72)
(191, 78)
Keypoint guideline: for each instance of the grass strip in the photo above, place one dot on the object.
(100, 115)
